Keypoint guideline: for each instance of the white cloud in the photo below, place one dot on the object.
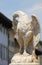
(37, 7)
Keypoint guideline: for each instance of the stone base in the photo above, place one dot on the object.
(24, 64)
(24, 59)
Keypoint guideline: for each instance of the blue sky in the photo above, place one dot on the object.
(8, 7)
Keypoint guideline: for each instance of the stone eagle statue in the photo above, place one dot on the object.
(27, 32)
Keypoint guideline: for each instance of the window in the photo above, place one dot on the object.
(0, 51)
(11, 43)
(3, 29)
(6, 53)
(10, 56)
(3, 52)
(0, 27)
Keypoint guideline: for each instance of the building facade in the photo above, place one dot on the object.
(5, 25)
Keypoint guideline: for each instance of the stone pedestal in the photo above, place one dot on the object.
(24, 64)
(24, 59)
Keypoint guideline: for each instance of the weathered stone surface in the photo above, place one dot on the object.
(24, 59)
(25, 64)
(27, 31)
(27, 35)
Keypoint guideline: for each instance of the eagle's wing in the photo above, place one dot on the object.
(36, 30)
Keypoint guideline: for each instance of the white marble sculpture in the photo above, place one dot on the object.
(27, 35)
(27, 31)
